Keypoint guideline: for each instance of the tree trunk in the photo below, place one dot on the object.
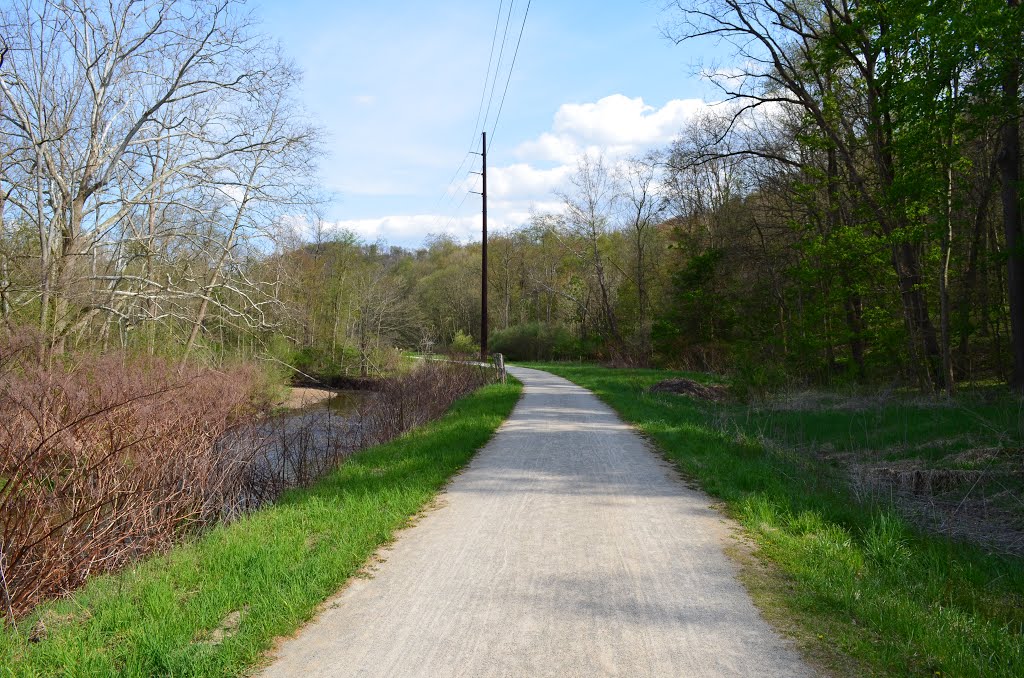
(1009, 175)
(855, 326)
(606, 303)
(150, 272)
(229, 242)
(5, 274)
(641, 294)
(923, 339)
(971, 277)
(944, 311)
(67, 264)
(45, 248)
(364, 358)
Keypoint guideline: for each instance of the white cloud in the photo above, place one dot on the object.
(364, 99)
(524, 181)
(405, 229)
(233, 192)
(511, 214)
(409, 230)
(550, 147)
(616, 126)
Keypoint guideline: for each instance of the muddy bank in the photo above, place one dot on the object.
(306, 396)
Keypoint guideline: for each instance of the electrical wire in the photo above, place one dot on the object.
(490, 59)
(497, 67)
(490, 99)
(449, 194)
(510, 69)
(456, 212)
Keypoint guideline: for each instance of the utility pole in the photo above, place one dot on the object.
(483, 255)
(483, 251)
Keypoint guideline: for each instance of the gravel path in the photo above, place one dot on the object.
(567, 548)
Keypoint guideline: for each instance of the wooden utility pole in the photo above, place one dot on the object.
(483, 254)
(483, 250)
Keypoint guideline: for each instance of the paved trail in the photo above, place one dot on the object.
(567, 548)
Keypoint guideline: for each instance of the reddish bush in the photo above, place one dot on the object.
(422, 395)
(295, 450)
(107, 459)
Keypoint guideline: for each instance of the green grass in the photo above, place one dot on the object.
(900, 427)
(275, 566)
(852, 582)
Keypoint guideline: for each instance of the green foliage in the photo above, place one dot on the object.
(816, 244)
(697, 324)
(463, 344)
(705, 312)
(753, 378)
(273, 381)
(536, 341)
(275, 567)
(347, 305)
(321, 362)
(868, 220)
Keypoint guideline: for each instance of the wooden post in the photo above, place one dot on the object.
(499, 365)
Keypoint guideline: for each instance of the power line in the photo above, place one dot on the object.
(497, 67)
(455, 214)
(445, 197)
(487, 75)
(480, 106)
(448, 187)
(479, 125)
(510, 69)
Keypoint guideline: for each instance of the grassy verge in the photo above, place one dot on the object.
(211, 607)
(851, 579)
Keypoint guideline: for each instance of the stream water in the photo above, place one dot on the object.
(297, 447)
(344, 402)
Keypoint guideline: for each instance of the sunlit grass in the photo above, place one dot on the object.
(852, 578)
(273, 568)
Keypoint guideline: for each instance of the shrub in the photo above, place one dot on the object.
(104, 459)
(536, 341)
(419, 396)
(755, 376)
(463, 345)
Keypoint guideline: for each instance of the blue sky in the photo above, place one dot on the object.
(397, 88)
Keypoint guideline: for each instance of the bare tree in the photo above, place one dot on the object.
(643, 207)
(146, 129)
(589, 209)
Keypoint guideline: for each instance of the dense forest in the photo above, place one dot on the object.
(849, 211)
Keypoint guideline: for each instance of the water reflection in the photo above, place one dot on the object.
(344, 402)
(296, 447)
